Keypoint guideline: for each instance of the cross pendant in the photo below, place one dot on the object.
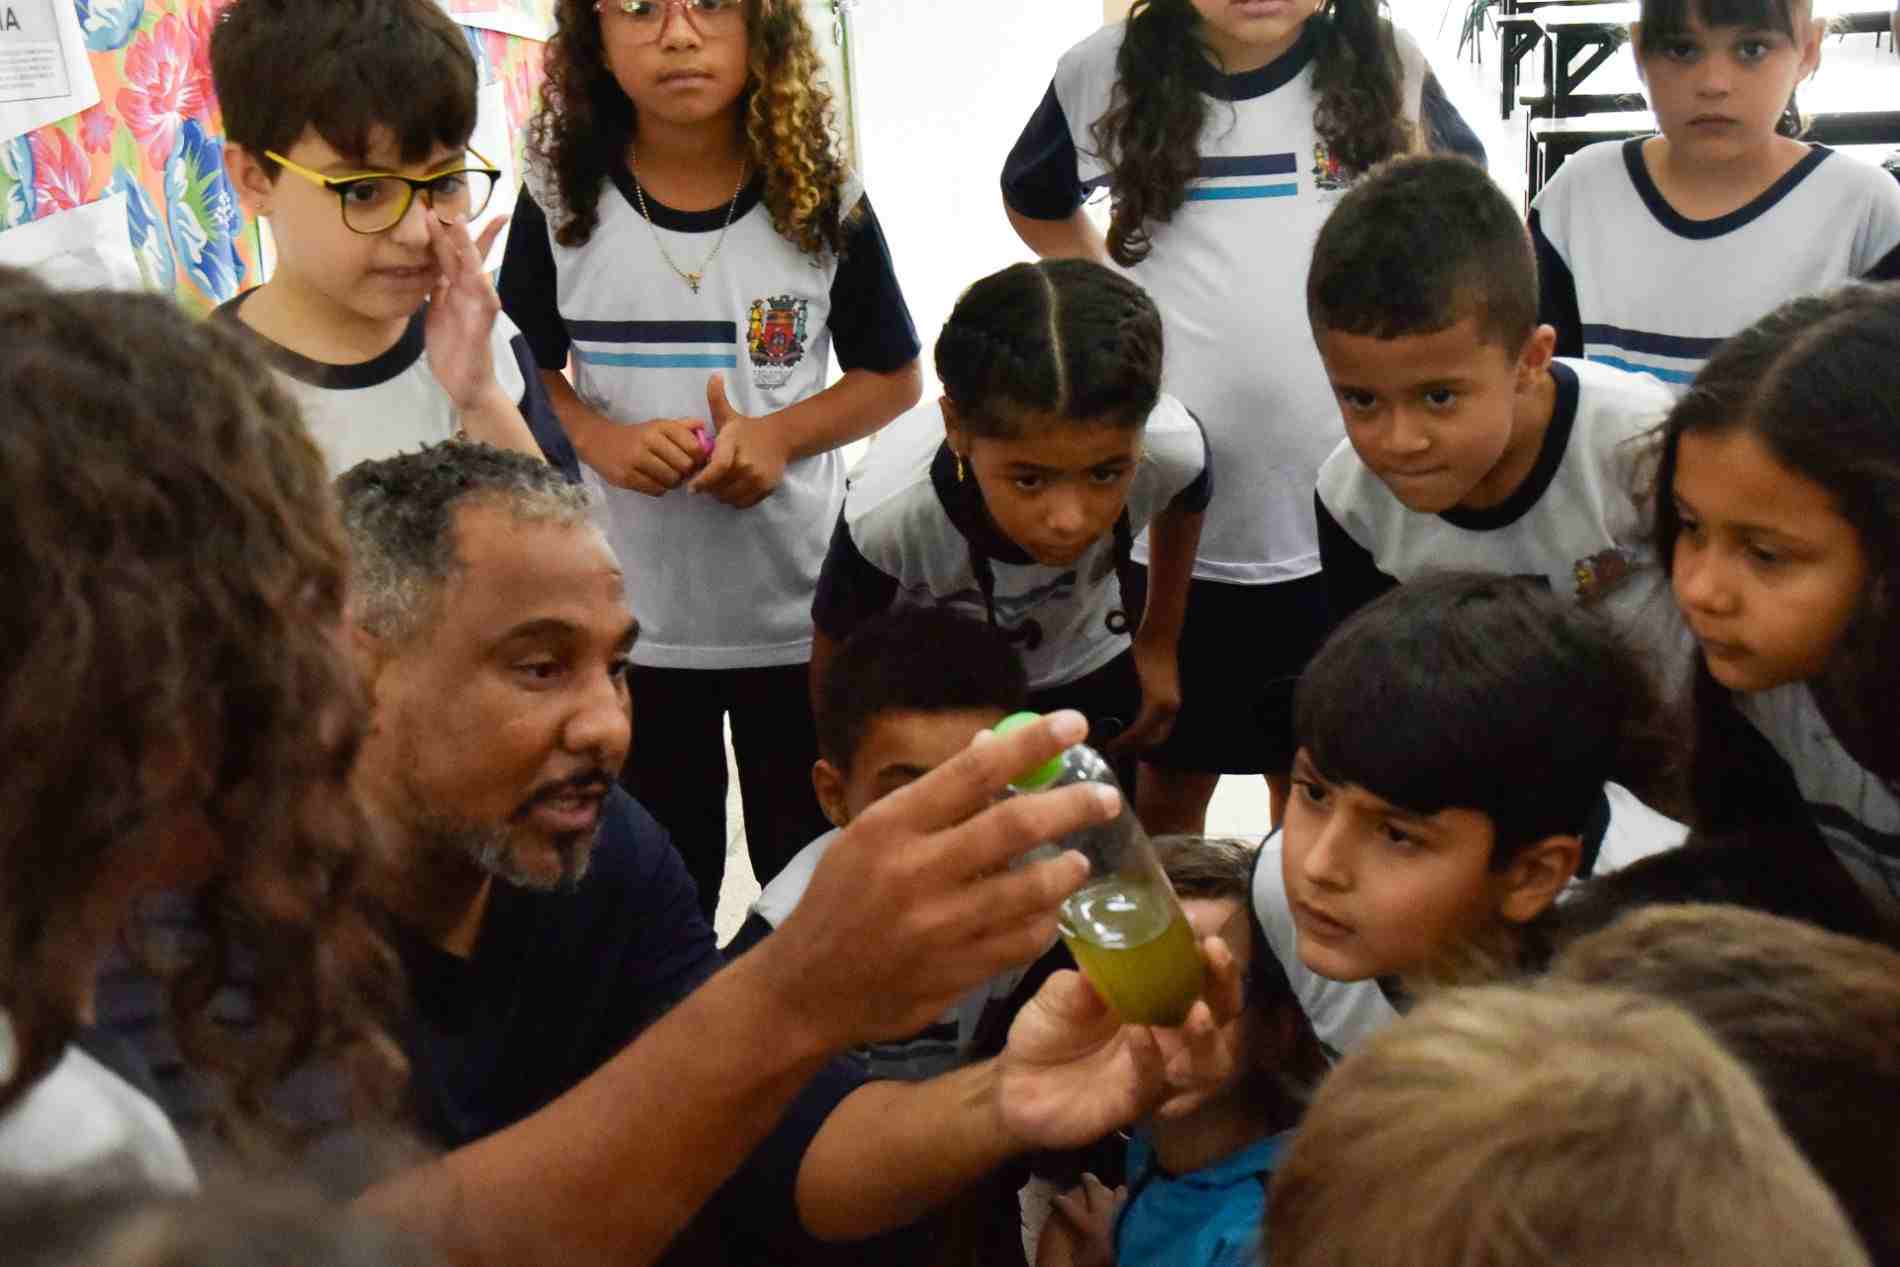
(692, 279)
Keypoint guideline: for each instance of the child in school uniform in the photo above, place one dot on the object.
(1468, 445)
(1467, 746)
(691, 243)
(1197, 1180)
(1778, 519)
(1654, 250)
(1524, 1126)
(906, 692)
(378, 320)
(1224, 133)
(1016, 498)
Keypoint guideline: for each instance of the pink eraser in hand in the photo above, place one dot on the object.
(705, 441)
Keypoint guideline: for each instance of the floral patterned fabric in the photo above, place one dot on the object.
(156, 136)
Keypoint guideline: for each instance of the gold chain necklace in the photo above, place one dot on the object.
(694, 278)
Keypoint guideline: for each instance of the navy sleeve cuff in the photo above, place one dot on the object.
(538, 411)
(529, 287)
(1556, 293)
(1352, 577)
(871, 328)
(1039, 176)
(851, 589)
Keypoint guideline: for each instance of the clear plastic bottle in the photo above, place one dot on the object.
(1125, 927)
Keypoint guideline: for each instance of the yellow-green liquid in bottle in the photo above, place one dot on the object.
(1135, 946)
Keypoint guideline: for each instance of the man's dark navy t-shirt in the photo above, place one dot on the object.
(558, 983)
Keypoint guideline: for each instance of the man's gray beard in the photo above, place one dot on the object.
(488, 846)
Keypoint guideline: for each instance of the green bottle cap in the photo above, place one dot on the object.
(1041, 776)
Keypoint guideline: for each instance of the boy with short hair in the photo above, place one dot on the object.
(1456, 739)
(1522, 1127)
(1815, 1016)
(1468, 445)
(347, 126)
(906, 692)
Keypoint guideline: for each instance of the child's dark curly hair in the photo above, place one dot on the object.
(174, 691)
(585, 124)
(1150, 136)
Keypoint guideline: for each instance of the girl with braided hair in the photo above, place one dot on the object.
(1017, 497)
(1224, 131)
(691, 243)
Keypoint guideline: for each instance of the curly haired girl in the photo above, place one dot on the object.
(1224, 131)
(687, 211)
(177, 714)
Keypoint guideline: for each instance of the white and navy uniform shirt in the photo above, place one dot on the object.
(393, 404)
(1856, 812)
(1629, 281)
(1621, 830)
(1575, 522)
(914, 535)
(1228, 273)
(713, 587)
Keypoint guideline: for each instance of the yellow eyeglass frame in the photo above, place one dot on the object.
(339, 185)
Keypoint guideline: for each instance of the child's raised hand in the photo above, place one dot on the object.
(1158, 666)
(749, 454)
(653, 457)
(462, 312)
(1081, 1227)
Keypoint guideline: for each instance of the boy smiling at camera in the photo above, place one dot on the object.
(378, 317)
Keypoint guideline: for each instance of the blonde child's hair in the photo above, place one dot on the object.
(1814, 1016)
(1537, 1127)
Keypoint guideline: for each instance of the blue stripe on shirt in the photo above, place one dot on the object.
(661, 360)
(1656, 371)
(1222, 193)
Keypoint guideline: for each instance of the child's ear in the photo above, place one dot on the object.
(254, 185)
(1533, 360)
(953, 428)
(1536, 876)
(1811, 48)
(828, 782)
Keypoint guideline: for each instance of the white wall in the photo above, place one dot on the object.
(944, 88)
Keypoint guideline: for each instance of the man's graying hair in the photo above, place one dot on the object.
(400, 513)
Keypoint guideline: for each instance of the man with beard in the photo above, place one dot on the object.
(546, 921)
(540, 913)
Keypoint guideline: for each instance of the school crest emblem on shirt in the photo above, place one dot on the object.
(775, 338)
(1328, 175)
(1601, 573)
